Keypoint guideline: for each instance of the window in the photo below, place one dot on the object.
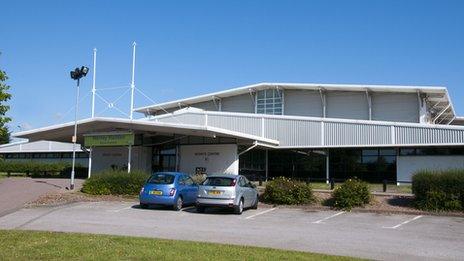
(269, 102)
(188, 181)
(161, 178)
(219, 182)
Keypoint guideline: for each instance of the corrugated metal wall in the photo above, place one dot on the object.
(421, 135)
(340, 133)
(248, 125)
(293, 132)
(308, 132)
(187, 118)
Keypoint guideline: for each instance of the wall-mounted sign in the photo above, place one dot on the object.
(109, 139)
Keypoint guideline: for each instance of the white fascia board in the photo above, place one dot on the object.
(302, 86)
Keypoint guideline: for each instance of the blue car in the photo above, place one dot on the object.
(174, 189)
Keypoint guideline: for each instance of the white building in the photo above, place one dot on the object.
(316, 131)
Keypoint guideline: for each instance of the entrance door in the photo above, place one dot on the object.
(164, 159)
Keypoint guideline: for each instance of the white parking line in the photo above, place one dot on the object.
(260, 213)
(405, 222)
(329, 217)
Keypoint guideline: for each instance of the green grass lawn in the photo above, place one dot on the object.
(25, 245)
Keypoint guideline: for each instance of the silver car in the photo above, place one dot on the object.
(227, 191)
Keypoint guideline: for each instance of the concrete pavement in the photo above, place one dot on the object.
(367, 235)
(15, 192)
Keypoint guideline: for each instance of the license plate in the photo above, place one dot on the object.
(156, 192)
(214, 192)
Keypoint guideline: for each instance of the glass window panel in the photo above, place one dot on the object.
(369, 159)
(388, 159)
(388, 152)
(370, 152)
(269, 93)
(260, 94)
(405, 152)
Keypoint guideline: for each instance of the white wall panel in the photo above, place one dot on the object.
(207, 106)
(302, 103)
(240, 103)
(401, 107)
(347, 105)
(406, 166)
(214, 158)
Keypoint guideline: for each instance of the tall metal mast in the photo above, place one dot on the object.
(94, 78)
(131, 103)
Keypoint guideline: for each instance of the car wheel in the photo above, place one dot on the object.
(144, 206)
(255, 205)
(239, 208)
(179, 203)
(200, 209)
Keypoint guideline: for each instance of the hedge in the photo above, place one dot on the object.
(439, 190)
(282, 190)
(352, 193)
(38, 169)
(115, 182)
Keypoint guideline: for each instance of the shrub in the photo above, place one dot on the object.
(115, 182)
(352, 193)
(39, 169)
(283, 190)
(439, 190)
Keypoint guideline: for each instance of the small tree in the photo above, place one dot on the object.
(4, 96)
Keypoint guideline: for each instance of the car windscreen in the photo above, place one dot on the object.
(219, 182)
(161, 178)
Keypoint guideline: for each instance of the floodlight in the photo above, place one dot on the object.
(84, 70)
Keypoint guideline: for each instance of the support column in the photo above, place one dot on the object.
(369, 104)
(89, 173)
(129, 158)
(327, 167)
(267, 164)
(423, 117)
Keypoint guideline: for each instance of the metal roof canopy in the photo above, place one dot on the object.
(64, 132)
(437, 96)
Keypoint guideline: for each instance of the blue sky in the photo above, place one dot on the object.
(186, 48)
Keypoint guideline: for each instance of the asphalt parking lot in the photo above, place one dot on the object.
(365, 235)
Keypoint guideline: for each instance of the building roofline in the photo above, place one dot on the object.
(301, 86)
(144, 122)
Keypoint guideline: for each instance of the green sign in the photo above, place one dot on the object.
(106, 140)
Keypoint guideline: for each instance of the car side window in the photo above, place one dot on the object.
(242, 182)
(188, 181)
(181, 180)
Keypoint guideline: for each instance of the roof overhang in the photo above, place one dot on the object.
(64, 132)
(438, 95)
